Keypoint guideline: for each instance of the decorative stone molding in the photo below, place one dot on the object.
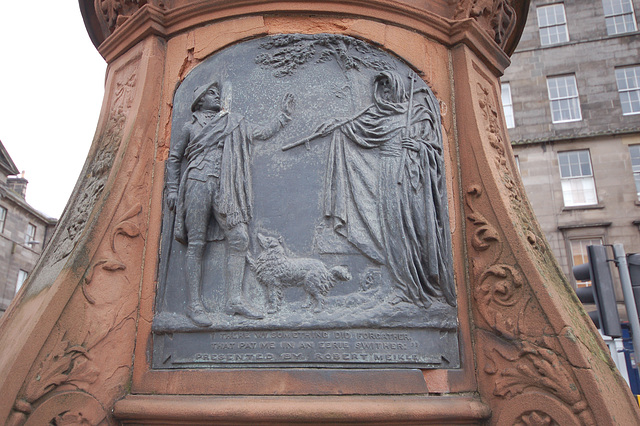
(527, 352)
(75, 220)
(113, 13)
(497, 17)
(519, 359)
(66, 364)
(66, 408)
(75, 351)
(85, 357)
(494, 21)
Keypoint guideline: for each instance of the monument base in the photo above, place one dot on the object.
(302, 409)
(80, 345)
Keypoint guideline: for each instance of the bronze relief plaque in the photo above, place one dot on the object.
(305, 219)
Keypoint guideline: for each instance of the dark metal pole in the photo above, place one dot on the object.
(629, 301)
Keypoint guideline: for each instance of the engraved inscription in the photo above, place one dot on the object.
(333, 347)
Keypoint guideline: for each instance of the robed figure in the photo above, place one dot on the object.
(385, 189)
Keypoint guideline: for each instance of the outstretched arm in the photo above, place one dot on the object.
(265, 131)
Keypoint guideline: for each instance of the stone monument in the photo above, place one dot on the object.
(303, 212)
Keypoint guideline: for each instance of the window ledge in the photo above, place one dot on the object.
(587, 207)
(558, 44)
(566, 121)
(622, 34)
(573, 42)
(584, 225)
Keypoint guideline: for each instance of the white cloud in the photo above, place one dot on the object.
(51, 89)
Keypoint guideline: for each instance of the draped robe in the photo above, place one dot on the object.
(228, 137)
(392, 205)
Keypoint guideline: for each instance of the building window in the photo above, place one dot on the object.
(507, 105)
(578, 186)
(619, 16)
(580, 256)
(3, 218)
(628, 79)
(634, 151)
(22, 276)
(552, 23)
(30, 236)
(563, 95)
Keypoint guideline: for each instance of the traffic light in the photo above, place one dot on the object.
(597, 269)
(585, 295)
(633, 262)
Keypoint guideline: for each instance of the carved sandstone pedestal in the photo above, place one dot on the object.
(211, 269)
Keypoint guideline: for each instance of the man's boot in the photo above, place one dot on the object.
(195, 310)
(235, 275)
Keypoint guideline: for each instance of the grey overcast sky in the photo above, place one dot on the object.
(51, 89)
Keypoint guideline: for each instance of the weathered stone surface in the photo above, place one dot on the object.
(528, 353)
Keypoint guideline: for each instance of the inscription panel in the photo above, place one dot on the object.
(305, 219)
(326, 347)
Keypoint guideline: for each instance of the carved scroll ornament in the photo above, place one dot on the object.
(70, 382)
(520, 359)
(70, 366)
(114, 13)
(497, 17)
(522, 353)
(73, 223)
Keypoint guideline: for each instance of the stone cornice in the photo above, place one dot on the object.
(576, 136)
(448, 23)
(584, 225)
(302, 409)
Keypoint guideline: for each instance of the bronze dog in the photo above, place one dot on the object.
(276, 271)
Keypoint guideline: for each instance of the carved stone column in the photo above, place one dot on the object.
(112, 327)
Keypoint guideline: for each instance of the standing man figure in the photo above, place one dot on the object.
(213, 196)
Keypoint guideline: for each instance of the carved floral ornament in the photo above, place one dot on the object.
(69, 369)
(66, 364)
(487, 104)
(521, 360)
(497, 17)
(524, 362)
(114, 13)
(74, 222)
(61, 387)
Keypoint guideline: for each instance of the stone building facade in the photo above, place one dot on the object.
(24, 231)
(572, 106)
